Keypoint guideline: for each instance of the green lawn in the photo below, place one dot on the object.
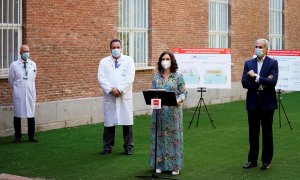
(74, 153)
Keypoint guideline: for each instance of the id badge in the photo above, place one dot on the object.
(25, 77)
(124, 72)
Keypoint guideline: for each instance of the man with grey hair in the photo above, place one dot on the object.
(260, 77)
(22, 74)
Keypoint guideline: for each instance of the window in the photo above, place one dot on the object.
(133, 29)
(218, 24)
(276, 24)
(10, 33)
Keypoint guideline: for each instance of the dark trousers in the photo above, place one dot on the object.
(109, 137)
(31, 127)
(263, 118)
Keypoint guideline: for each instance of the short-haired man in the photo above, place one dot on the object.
(116, 75)
(260, 77)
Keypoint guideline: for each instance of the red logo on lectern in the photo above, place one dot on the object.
(155, 102)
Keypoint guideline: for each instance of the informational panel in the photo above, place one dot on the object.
(210, 67)
(289, 69)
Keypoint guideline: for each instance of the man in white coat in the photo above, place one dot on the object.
(22, 74)
(116, 75)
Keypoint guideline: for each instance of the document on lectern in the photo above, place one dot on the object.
(156, 90)
(168, 98)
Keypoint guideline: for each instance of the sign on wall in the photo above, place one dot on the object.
(209, 67)
(289, 69)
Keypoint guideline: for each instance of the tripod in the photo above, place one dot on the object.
(280, 105)
(201, 90)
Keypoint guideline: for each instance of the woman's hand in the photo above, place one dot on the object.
(179, 101)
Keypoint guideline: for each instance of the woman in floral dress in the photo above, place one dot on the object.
(169, 118)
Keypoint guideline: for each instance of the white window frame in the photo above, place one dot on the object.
(276, 24)
(9, 25)
(218, 23)
(133, 30)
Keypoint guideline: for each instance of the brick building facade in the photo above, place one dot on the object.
(67, 38)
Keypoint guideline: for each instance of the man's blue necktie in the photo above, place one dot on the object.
(26, 72)
(116, 64)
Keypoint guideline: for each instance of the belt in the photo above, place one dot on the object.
(260, 88)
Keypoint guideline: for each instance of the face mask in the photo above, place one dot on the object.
(166, 64)
(259, 52)
(116, 52)
(25, 56)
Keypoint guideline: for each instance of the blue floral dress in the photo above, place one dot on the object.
(170, 126)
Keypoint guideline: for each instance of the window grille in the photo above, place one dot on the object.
(218, 24)
(10, 33)
(276, 24)
(133, 30)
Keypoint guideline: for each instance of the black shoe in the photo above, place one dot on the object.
(249, 165)
(265, 166)
(128, 152)
(106, 152)
(34, 139)
(17, 140)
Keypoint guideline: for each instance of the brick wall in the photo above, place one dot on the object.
(67, 38)
(292, 24)
(5, 93)
(177, 23)
(247, 25)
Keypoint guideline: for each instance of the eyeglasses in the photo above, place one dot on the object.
(168, 59)
(259, 47)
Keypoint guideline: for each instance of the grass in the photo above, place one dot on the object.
(73, 153)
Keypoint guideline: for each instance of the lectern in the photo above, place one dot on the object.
(168, 98)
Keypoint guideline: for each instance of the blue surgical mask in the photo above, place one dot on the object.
(116, 53)
(259, 52)
(25, 56)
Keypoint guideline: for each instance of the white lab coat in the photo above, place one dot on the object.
(24, 93)
(117, 110)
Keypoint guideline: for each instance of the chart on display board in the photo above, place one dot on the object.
(289, 69)
(208, 67)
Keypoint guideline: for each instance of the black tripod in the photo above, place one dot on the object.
(201, 90)
(280, 105)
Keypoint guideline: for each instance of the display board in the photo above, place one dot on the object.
(289, 69)
(209, 67)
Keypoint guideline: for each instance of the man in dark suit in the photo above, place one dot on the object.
(260, 77)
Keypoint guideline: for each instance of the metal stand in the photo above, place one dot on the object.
(201, 100)
(280, 105)
(154, 174)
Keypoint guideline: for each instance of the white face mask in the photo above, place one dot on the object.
(166, 64)
(259, 52)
